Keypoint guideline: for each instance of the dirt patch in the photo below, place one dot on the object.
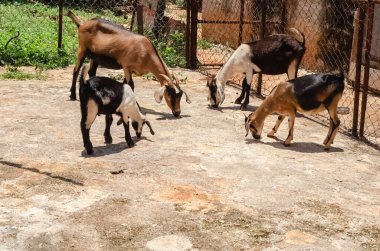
(197, 184)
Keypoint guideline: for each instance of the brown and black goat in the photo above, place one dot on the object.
(309, 94)
(111, 46)
(273, 55)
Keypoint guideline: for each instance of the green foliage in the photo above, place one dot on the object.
(37, 44)
(181, 3)
(204, 44)
(14, 73)
(171, 48)
(117, 76)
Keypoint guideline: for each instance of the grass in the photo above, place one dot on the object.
(204, 44)
(37, 44)
(15, 73)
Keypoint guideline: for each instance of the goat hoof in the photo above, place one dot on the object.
(107, 140)
(90, 151)
(130, 143)
(238, 101)
(286, 144)
(243, 107)
(73, 98)
(270, 135)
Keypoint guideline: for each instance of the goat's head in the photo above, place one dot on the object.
(172, 92)
(216, 92)
(138, 125)
(251, 125)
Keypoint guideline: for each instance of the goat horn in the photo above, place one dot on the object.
(167, 79)
(150, 127)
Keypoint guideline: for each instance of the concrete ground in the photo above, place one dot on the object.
(198, 184)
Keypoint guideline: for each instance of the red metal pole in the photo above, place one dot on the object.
(140, 19)
(188, 33)
(367, 58)
(358, 63)
(193, 38)
(241, 21)
(262, 35)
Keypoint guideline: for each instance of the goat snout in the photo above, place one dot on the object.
(176, 113)
(256, 136)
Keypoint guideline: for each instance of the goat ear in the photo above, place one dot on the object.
(150, 127)
(187, 97)
(159, 94)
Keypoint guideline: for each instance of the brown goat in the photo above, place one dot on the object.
(111, 46)
(309, 94)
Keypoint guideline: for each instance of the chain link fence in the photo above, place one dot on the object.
(331, 29)
(339, 34)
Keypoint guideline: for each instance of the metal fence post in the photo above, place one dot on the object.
(187, 34)
(367, 58)
(358, 63)
(262, 35)
(241, 20)
(193, 32)
(283, 16)
(60, 16)
(140, 19)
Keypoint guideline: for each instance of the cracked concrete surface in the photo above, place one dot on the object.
(198, 184)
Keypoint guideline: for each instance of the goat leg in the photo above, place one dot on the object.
(93, 67)
(128, 137)
(107, 131)
(80, 60)
(248, 79)
(242, 94)
(291, 127)
(275, 128)
(86, 137)
(131, 84)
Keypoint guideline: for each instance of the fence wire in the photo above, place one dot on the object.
(330, 29)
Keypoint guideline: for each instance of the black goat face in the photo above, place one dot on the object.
(250, 126)
(173, 99)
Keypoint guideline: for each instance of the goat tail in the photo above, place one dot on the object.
(341, 75)
(74, 18)
(299, 34)
(82, 77)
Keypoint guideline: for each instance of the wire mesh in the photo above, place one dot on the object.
(329, 26)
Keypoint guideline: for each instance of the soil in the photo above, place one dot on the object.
(197, 184)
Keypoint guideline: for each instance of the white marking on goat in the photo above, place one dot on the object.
(92, 111)
(106, 100)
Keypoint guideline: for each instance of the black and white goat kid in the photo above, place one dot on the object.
(308, 94)
(102, 95)
(273, 55)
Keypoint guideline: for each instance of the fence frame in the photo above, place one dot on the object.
(366, 9)
(365, 18)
